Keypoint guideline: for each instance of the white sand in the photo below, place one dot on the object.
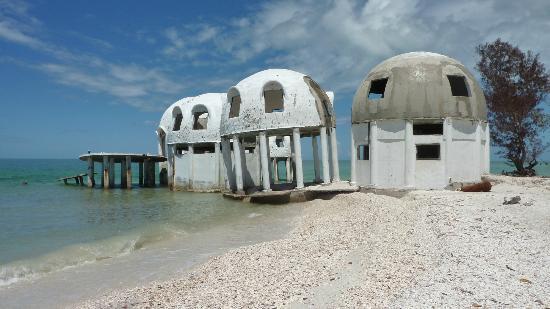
(429, 248)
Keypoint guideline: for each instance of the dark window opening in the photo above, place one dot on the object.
(428, 152)
(279, 142)
(377, 88)
(200, 120)
(274, 101)
(204, 149)
(249, 149)
(177, 122)
(363, 152)
(458, 86)
(180, 149)
(428, 128)
(235, 106)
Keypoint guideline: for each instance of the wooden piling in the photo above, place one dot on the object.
(91, 179)
(141, 174)
(106, 173)
(128, 172)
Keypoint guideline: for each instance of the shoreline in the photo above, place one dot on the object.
(440, 248)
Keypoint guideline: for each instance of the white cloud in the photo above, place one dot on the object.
(338, 42)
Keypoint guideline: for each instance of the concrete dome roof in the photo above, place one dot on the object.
(418, 86)
(303, 103)
(192, 111)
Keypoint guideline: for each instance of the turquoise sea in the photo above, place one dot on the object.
(46, 226)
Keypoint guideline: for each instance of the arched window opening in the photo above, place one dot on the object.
(177, 117)
(200, 117)
(234, 99)
(162, 141)
(273, 97)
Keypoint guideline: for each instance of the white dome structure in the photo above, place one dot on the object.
(276, 102)
(419, 120)
(189, 136)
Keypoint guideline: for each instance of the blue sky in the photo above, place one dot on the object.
(79, 75)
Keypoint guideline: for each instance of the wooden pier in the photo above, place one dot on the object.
(78, 179)
(146, 163)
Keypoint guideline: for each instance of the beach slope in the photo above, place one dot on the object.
(428, 248)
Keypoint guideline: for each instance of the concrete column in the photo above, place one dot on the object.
(316, 166)
(448, 135)
(217, 162)
(264, 162)
(146, 170)
(373, 152)
(106, 172)
(123, 175)
(128, 172)
(487, 150)
(152, 174)
(191, 171)
(238, 164)
(226, 153)
(334, 152)
(353, 160)
(170, 165)
(140, 173)
(410, 154)
(298, 158)
(91, 179)
(288, 169)
(478, 156)
(112, 172)
(324, 155)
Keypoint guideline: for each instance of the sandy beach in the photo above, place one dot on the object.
(427, 248)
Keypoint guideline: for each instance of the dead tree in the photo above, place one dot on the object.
(515, 84)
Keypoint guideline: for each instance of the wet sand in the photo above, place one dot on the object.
(428, 248)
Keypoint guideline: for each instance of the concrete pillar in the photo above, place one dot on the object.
(353, 160)
(91, 179)
(478, 156)
(190, 153)
(334, 156)
(112, 172)
(238, 164)
(410, 155)
(146, 170)
(316, 166)
(264, 162)
(288, 169)
(373, 152)
(226, 153)
(128, 172)
(298, 158)
(448, 135)
(487, 150)
(217, 162)
(170, 165)
(324, 155)
(152, 174)
(140, 173)
(123, 172)
(106, 173)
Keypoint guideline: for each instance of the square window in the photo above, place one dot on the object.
(428, 152)
(428, 128)
(458, 86)
(377, 89)
(363, 152)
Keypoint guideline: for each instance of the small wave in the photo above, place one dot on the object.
(254, 215)
(81, 254)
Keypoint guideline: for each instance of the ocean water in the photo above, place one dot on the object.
(48, 228)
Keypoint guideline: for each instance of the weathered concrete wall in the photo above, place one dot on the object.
(463, 160)
(279, 152)
(203, 176)
(418, 87)
(301, 106)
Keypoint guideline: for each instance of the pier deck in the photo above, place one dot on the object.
(109, 159)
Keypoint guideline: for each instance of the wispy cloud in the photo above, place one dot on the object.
(130, 83)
